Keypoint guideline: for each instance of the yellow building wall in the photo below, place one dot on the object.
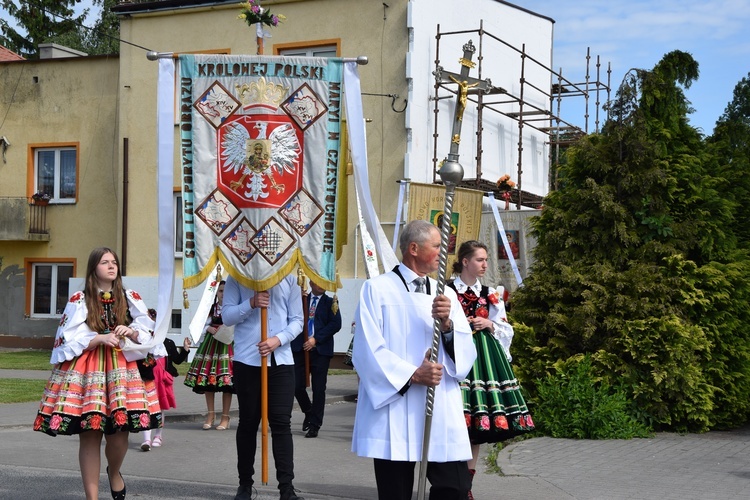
(63, 101)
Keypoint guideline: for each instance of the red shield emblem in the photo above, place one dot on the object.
(260, 160)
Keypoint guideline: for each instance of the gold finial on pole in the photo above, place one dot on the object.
(335, 305)
(301, 279)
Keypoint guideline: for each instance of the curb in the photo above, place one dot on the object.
(197, 417)
(503, 461)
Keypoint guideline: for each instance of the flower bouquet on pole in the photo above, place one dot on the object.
(505, 186)
(253, 14)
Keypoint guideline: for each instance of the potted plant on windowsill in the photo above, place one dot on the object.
(40, 198)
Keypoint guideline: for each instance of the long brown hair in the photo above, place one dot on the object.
(465, 251)
(91, 290)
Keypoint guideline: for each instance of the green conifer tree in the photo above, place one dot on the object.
(620, 270)
(43, 20)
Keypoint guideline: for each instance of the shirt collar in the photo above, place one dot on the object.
(408, 275)
(461, 287)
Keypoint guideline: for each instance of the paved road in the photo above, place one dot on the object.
(197, 464)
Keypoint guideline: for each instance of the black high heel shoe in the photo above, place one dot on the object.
(117, 495)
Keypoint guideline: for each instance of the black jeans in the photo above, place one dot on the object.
(448, 480)
(246, 382)
(318, 380)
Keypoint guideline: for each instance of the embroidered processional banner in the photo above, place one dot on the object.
(427, 202)
(260, 140)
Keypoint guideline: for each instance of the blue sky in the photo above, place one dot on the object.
(637, 34)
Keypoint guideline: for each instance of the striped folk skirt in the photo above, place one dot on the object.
(211, 369)
(98, 390)
(494, 407)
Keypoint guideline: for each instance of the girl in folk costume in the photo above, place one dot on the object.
(95, 390)
(161, 372)
(211, 369)
(493, 404)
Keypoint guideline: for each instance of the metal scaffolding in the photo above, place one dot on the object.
(560, 133)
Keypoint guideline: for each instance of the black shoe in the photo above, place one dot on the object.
(290, 495)
(306, 422)
(117, 495)
(312, 433)
(244, 493)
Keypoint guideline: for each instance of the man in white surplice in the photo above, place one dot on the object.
(393, 334)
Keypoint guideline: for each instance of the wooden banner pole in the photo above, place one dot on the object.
(306, 335)
(264, 397)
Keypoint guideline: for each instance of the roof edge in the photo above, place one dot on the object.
(526, 10)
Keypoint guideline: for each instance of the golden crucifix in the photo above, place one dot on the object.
(466, 86)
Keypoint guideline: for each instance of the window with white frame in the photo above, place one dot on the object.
(55, 172)
(49, 288)
(178, 224)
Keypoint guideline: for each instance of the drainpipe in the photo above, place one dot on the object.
(124, 251)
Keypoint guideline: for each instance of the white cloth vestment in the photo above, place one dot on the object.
(394, 330)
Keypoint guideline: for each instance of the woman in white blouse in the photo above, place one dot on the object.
(493, 404)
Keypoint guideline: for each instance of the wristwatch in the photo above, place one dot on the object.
(448, 334)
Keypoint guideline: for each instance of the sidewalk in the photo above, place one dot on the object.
(190, 406)
(196, 464)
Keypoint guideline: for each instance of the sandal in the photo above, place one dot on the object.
(472, 472)
(222, 426)
(117, 495)
(209, 421)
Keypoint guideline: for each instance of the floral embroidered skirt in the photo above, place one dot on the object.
(494, 407)
(98, 390)
(211, 369)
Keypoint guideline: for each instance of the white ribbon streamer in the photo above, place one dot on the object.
(506, 245)
(356, 128)
(165, 214)
(399, 209)
(165, 204)
(198, 323)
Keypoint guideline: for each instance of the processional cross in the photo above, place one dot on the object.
(451, 172)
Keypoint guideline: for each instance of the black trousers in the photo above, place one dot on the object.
(246, 382)
(448, 480)
(318, 379)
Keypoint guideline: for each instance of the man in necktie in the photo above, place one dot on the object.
(242, 309)
(322, 324)
(394, 321)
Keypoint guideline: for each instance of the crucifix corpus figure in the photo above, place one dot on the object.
(463, 92)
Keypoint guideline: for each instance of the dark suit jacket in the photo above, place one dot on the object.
(174, 356)
(326, 325)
